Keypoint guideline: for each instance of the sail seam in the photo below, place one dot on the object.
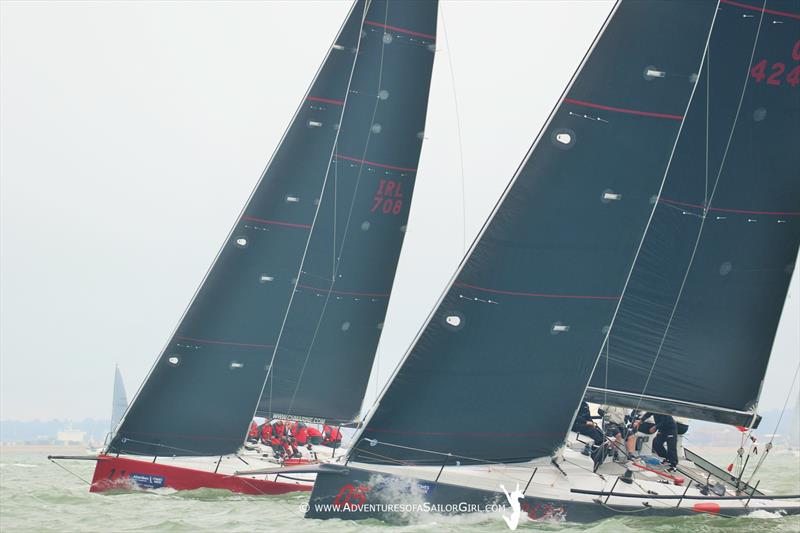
(729, 210)
(400, 30)
(623, 110)
(535, 294)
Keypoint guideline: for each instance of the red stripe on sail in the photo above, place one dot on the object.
(623, 110)
(536, 294)
(400, 30)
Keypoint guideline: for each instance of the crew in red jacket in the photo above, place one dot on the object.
(252, 434)
(300, 433)
(332, 437)
(314, 435)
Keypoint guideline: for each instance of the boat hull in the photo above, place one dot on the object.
(355, 494)
(120, 473)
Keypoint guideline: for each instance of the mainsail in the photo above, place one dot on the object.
(120, 400)
(695, 329)
(498, 370)
(300, 288)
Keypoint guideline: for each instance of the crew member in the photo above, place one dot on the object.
(665, 444)
(586, 426)
(315, 436)
(252, 434)
(332, 437)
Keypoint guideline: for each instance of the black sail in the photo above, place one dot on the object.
(337, 311)
(695, 329)
(333, 199)
(500, 366)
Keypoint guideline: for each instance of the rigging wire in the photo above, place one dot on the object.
(708, 202)
(768, 447)
(349, 214)
(458, 132)
(270, 372)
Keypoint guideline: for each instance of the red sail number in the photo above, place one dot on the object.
(388, 198)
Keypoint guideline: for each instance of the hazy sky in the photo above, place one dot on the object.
(132, 133)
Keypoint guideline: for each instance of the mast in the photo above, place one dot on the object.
(312, 231)
(500, 366)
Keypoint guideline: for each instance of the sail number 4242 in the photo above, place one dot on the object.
(774, 73)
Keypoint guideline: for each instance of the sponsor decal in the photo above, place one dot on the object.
(148, 481)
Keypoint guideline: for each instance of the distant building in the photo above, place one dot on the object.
(71, 436)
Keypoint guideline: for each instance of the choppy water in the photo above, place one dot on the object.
(36, 495)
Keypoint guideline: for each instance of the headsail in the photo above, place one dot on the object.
(120, 399)
(337, 311)
(501, 364)
(312, 231)
(694, 331)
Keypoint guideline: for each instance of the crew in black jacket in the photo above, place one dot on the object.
(667, 434)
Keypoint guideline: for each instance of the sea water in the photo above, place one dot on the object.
(36, 495)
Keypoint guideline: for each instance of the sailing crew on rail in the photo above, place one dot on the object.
(665, 444)
(332, 437)
(252, 433)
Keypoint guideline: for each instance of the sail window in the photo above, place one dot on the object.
(610, 196)
(241, 242)
(558, 327)
(759, 114)
(376, 128)
(292, 199)
(365, 225)
(264, 278)
(453, 320)
(314, 124)
(420, 135)
(345, 326)
(383, 94)
(380, 325)
(651, 73)
(338, 47)
(173, 360)
(693, 77)
(563, 138)
(387, 38)
(725, 268)
(236, 365)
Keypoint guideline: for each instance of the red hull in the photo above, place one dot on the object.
(117, 472)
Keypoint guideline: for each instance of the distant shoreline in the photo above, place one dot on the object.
(53, 449)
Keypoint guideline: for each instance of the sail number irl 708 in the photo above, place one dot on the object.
(388, 198)
(774, 73)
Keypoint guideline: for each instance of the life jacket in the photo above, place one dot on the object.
(313, 432)
(331, 434)
(266, 432)
(300, 433)
(253, 430)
